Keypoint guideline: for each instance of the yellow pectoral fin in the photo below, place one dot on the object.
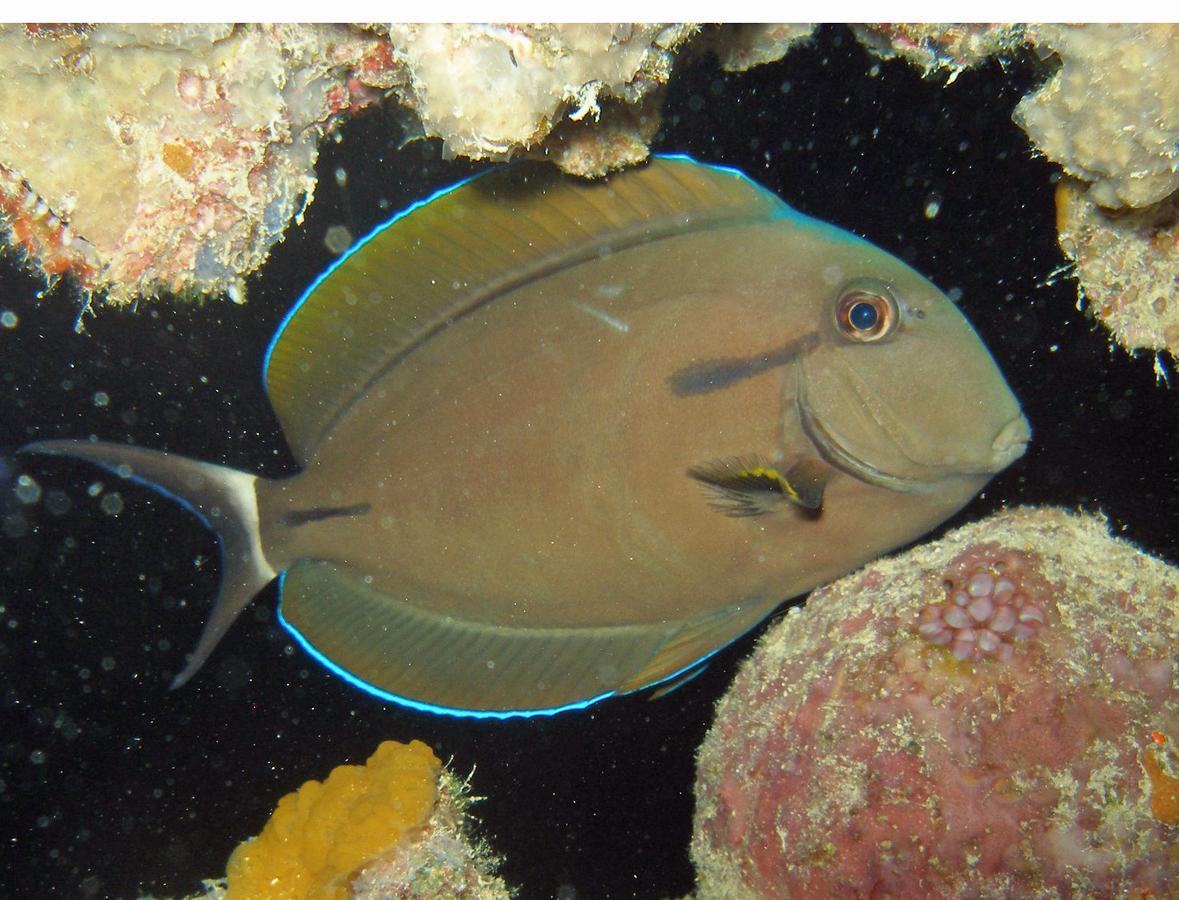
(743, 487)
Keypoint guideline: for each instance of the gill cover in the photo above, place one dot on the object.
(881, 337)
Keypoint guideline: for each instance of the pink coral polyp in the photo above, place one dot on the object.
(985, 613)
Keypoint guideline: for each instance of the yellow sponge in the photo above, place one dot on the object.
(323, 833)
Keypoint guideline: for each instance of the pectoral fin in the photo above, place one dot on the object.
(747, 486)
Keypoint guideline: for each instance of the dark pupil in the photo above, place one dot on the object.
(863, 316)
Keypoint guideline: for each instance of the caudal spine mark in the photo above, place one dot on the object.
(318, 513)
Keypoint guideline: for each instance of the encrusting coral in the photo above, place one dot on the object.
(204, 137)
(394, 827)
(1110, 113)
(170, 158)
(872, 745)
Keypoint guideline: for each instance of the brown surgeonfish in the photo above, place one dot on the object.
(561, 440)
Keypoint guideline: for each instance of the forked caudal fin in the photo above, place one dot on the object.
(223, 498)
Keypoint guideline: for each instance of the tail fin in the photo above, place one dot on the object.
(223, 498)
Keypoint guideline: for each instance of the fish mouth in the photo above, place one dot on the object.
(1011, 442)
(840, 457)
(1008, 445)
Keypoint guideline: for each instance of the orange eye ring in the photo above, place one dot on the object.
(866, 312)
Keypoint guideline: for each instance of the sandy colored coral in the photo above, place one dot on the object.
(177, 155)
(489, 91)
(445, 862)
(1127, 265)
(858, 754)
(171, 158)
(741, 47)
(1110, 115)
(934, 47)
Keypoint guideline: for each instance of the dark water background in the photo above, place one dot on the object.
(110, 785)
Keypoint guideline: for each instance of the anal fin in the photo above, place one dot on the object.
(395, 646)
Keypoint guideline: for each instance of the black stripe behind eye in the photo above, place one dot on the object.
(718, 374)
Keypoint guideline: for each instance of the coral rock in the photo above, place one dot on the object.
(146, 158)
(861, 752)
(176, 154)
(1110, 115)
(490, 91)
(934, 47)
(390, 828)
(1127, 266)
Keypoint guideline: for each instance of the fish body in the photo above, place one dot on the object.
(564, 440)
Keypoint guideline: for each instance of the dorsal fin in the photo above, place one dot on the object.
(465, 246)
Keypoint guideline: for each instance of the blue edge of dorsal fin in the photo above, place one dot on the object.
(416, 205)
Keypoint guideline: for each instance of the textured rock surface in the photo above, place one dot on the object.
(937, 47)
(858, 754)
(489, 91)
(1110, 115)
(1127, 265)
(148, 158)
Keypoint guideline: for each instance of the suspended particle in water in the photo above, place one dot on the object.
(9, 319)
(95, 489)
(933, 206)
(58, 502)
(337, 239)
(111, 504)
(27, 490)
(341, 176)
(101, 398)
(37, 757)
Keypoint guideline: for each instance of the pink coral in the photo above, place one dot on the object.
(992, 602)
(860, 753)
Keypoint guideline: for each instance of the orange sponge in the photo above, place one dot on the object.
(323, 833)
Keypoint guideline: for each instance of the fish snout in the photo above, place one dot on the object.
(1010, 443)
(987, 451)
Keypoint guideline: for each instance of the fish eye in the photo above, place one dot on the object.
(866, 311)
